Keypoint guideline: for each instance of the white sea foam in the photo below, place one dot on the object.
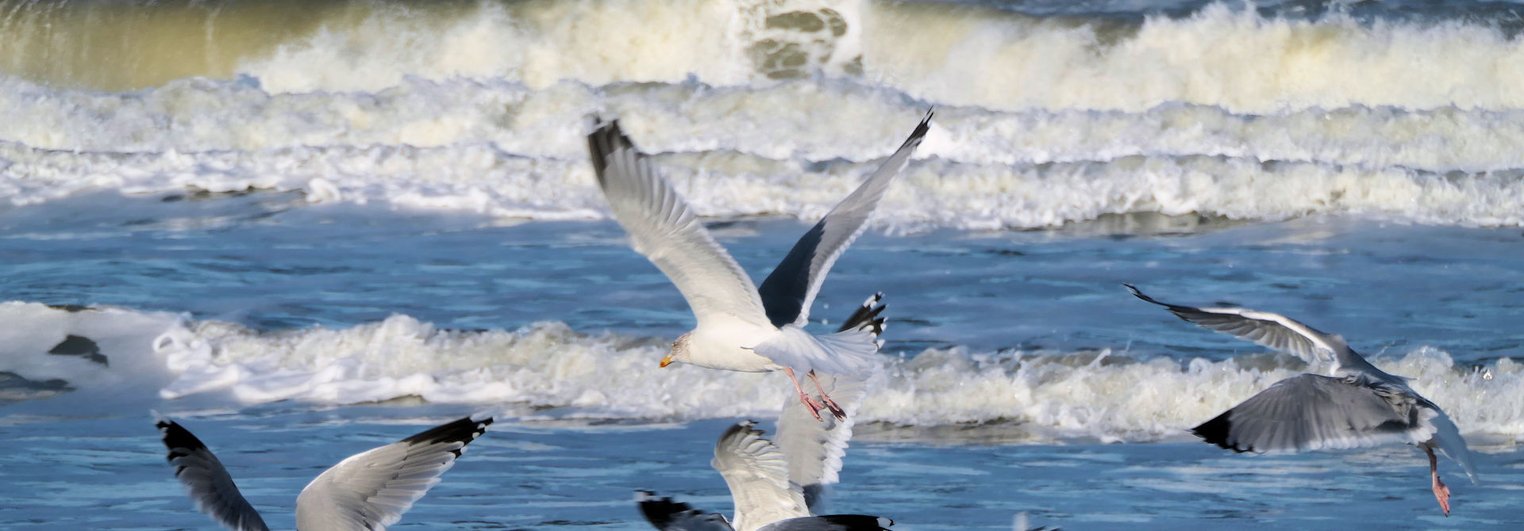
(1220, 56)
(122, 362)
(500, 149)
(1104, 395)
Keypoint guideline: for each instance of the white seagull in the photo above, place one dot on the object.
(764, 497)
(367, 491)
(1355, 406)
(742, 327)
(811, 449)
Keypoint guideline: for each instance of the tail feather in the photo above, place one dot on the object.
(851, 351)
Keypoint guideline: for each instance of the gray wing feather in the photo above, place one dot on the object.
(205, 479)
(814, 448)
(1268, 329)
(371, 490)
(1312, 412)
(789, 291)
(666, 231)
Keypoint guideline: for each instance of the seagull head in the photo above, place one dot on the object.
(679, 351)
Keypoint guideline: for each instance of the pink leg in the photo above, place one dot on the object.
(804, 398)
(829, 404)
(1441, 492)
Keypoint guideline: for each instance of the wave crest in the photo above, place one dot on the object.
(549, 370)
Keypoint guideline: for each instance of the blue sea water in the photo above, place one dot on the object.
(305, 232)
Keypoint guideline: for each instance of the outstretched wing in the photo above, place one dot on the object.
(1268, 329)
(1313, 412)
(666, 231)
(757, 475)
(371, 490)
(791, 288)
(207, 482)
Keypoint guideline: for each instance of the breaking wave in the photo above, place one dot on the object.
(547, 369)
(975, 54)
(503, 150)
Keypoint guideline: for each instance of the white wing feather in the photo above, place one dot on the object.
(371, 490)
(757, 475)
(1267, 329)
(852, 352)
(664, 229)
(814, 448)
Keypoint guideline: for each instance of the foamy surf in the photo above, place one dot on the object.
(502, 150)
(549, 370)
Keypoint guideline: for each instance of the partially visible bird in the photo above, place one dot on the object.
(367, 491)
(764, 498)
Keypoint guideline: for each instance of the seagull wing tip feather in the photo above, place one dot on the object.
(1143, 296)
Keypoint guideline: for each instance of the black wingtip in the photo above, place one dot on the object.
(858, 522)
(867, 316)
(661, 511)
(605, 139)
(464, 431)
(1216, 431)
(176, 437)
(920, 129)
(179, 441)
(1139, 294)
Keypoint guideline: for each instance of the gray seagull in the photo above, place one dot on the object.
(1355, 405)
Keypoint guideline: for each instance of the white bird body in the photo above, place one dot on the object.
(728, 345)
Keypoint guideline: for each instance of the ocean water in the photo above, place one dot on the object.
(305, 229)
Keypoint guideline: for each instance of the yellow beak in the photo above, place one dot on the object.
(665, 361)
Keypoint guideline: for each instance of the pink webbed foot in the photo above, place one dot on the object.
(1442, 493)
(812, 405)
(804, 398)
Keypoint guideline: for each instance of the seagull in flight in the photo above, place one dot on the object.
(367, 491)
(1355, 405)
(742, 327)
